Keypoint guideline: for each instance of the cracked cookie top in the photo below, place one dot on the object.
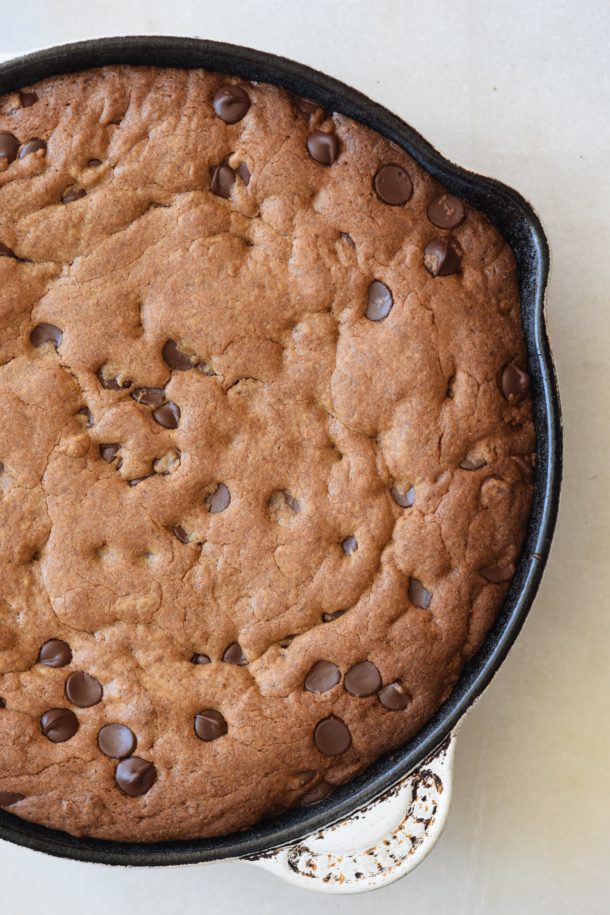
(266, 449)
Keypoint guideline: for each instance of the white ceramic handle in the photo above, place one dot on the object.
(378, 844)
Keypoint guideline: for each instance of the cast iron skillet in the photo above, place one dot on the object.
(518, 223)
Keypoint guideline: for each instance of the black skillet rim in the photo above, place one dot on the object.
(519, 224)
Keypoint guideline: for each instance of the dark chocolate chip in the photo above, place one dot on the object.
(349, 545)
(514, 383)
(524, 466)
(393, 185)
(200, 659)
(137, 480)
(498, 573)
(306, 777)
(27, 99)
(316, 794)
(73, 193)
(362, 679)
(222, 180)
(5, 251)
(244, 173)
(9, 146)
(109, 452)
(394, 697)
(88, 416)
(344, 236)
(116, 741)
(286, 641)
(292, 503)
(210, 724)
(94, 163)
(179, 532)
(231, 103)
(332, 736)
(168, 415)
(83, 690)
(322, 677)
(111, 384)
(329, 617)
(151, 397)
(8, 798)
(380, 301)
(474, 463)
(32, 146)
(175, 358)
(403, 497)
(135, 776)
(2, 702)
(46, 333)
(306, 108)
(323, 147)
(418, 595)
(55, 653)
(442, 256)
(59, 724)
(219, 500)
(446, 211)
(233, 654)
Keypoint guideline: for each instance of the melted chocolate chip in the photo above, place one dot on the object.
(150, 397)
(137, 480)
(94, 163)
(219, 500)
(83, 690)
(210, 724)
(362, 679)
(442, 256)
(329, 617)
(27, 99)
(200, 659)
(498, 573)
(5, 251)
(446, 211)
(222, 180)
(46, 333)
(73, 193)
(344, 236)
(59, 724)
(87, 415)
(394, 697)
(111, 383)
(473, 463)
(32, 146)
(316, 794)
(55, 653)
(9, 146)
(2, 702)
(168, 415)
(418, 595)
(109, 452)
(322, 677)
(231, 103)
(179, 532)
(175, 358)
(332, 736)
(380, 301)
(8, 798)
(233, 654)
(135, 776)
(349, 545)
(116, 741)
(514, 383)
(306, 108)
(323, 147)
(403, 497)
(244, 173)
(393, 185)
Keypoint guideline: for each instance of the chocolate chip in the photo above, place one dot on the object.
(418, 595)
(514, 383)
(168, 415)
(393, 185)
(109, 452)
(27, 99)
(175, 358)
(5, 251)
(498, 573)
(362, 679)
(231, 103)
(402, 496)
(210, 724)
(306, 777)
(323, 147)
(446, 211)
(473, 463)
(222, 180)
(329, 617)
(135, 776)
(55, 653)
(32, 146)
(306, 108)
(116, 741)
(380, 301)
(2, 702)
(179, 532)
(94, 163)
(87, 415)
(219, 500)
(200, 659)
(322, 677)
(111, 383)
(316, 794)
(46, 333)
(8, 798)
(442, 256)
(83, 690)
(9, 146)
(59, 724)
(292, 503)
(394, 697)
(73, 193)
(349, 545)
(524, 466)
(151, 397)
(244, 173)
(137, 480)
(344, 236)
(233, 654)
(332, 736)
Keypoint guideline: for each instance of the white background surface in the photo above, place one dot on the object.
(521, 91)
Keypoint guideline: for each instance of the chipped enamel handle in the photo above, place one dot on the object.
(379, 843)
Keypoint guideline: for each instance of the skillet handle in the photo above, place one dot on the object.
(378, 844)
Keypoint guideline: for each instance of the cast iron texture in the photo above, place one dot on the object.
(518, 223)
